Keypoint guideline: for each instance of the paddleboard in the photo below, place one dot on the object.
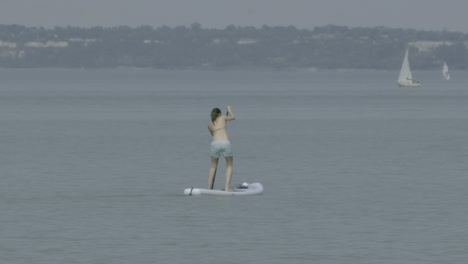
(241, 189)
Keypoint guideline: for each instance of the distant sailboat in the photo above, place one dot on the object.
(445, 71)
(405, 79)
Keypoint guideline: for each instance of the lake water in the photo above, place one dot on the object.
(355, 169)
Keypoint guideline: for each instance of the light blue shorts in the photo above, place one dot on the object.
(221, 148)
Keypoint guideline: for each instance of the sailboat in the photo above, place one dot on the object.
(445, 71)
(405, 79)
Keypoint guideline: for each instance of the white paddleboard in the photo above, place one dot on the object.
(241, 189)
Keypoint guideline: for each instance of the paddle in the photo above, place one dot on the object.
(214, 177)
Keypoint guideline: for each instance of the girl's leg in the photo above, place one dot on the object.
(212, 172)
(229, 162)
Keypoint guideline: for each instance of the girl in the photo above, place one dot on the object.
(220, 146)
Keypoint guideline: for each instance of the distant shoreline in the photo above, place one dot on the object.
(272, 48)
(215, 70)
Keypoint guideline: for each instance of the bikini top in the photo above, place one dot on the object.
(218, 129)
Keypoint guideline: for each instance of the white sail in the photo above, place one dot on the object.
(445, 71)
(405, 71)
(405, 78)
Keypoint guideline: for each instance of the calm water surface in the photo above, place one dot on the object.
(355, 169)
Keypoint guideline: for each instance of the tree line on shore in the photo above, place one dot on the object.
(195, 47)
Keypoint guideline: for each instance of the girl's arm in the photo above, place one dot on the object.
(230, 115)
(209, 129)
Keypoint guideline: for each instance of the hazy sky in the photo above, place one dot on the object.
(418, 14)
